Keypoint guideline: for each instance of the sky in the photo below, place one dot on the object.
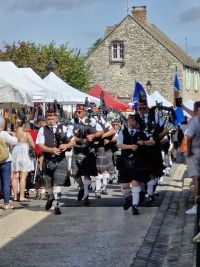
(81, 22)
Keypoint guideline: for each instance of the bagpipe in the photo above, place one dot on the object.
(159, 117)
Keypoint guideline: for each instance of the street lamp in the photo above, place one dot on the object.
(50, 66)
(148, 86)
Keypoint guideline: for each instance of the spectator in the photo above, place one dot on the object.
(21, 161)
(5, 167)
(193, 151)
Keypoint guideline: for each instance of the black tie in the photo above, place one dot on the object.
(132, 133)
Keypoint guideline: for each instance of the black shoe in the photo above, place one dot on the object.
(80, 194)
(49, 203)
(127, 203)
(149, 201)
(86, 201)
(135, 210)
(57, 211)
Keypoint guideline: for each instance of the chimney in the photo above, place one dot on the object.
(139, 13)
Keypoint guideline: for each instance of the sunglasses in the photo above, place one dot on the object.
(115, 124)
(79, 111)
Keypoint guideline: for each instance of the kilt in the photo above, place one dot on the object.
(137, 170)
(58, 176)
(104, 160)
(88, 165)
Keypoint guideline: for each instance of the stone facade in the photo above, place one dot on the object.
(145, 59)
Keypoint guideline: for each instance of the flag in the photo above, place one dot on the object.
(176, 83)
(139, 93)
(180, 117)
(177, 88)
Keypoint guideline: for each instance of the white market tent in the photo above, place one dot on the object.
(11, 97)
(10, 73)
(189, 104)
(51, 92)
(151, 102)
(157, 97)
(76, 96)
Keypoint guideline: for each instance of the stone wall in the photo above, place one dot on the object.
(144, 59)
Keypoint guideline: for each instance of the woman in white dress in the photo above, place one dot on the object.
(21, 161)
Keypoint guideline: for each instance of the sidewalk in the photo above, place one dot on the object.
(168, 242)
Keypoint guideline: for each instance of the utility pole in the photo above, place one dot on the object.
(127, 8)
(186, 48)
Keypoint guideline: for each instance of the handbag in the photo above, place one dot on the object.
(51, 165)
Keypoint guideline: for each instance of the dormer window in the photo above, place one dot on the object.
(117, 50)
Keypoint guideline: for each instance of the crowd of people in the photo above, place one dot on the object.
(139, 150)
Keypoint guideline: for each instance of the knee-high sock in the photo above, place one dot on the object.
(79, 181)
(105, 180)
(98, 180)
(150, 185)
(126, 192)
(136, 195)
(57, 195)
(86, 183)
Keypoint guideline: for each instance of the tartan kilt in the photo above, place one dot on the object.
(88, 166)
(58, 176)
(138, 171)
(104, 160)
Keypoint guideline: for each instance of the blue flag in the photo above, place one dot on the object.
(139, 92)
(176, 83)
(179, 116)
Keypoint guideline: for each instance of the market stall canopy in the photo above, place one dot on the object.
(76, 96)
(110, 101)
(52, 93)
(157, 97)
(11, 97)
(10, 73)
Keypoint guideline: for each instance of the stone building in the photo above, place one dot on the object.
(136, 50)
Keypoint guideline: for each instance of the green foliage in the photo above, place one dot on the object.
(93, 46)
(68, 64)
(198, 60)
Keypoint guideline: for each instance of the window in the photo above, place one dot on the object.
(117, 51)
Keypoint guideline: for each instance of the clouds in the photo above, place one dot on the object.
(191, 15)
(43, 5)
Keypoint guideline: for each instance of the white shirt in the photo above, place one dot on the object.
(120, 137)
(10, 142)
(41, 139)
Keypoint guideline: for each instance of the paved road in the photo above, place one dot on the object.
(101, 235)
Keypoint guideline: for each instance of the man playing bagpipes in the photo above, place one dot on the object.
(86, 130)
(54, 139)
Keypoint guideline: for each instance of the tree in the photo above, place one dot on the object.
(93, 46)
(198, 60)
(69, 63)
